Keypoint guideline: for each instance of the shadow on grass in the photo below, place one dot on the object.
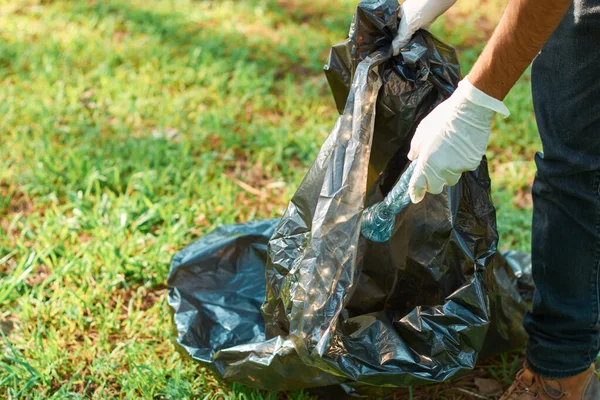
(177, 35)
(178, 38)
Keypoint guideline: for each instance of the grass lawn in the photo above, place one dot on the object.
(128, 129)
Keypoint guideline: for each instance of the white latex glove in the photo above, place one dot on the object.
(452, 139)
(417, 14)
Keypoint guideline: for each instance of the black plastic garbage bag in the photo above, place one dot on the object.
(216, 288)
(305, 301)
(217, 285)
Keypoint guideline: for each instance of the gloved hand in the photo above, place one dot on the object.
(417, 14)
(452, 139)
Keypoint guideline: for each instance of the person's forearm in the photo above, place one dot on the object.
(521, 33)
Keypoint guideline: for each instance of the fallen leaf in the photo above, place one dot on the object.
(249, 188)
(6, 326)
(488, 386)
(88, 94)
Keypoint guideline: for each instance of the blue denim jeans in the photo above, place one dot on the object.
(563, 324)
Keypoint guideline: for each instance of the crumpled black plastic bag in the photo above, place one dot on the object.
(338, 309)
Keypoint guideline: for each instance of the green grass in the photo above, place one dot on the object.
(130, 128)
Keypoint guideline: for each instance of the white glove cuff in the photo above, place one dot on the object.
(480, 98)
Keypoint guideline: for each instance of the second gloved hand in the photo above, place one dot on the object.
(452, 139)
(415, 15)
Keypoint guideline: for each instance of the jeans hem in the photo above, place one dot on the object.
(553, 373)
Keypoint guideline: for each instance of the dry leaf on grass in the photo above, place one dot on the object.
(488, 386)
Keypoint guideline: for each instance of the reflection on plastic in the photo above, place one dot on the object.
(378, 220)
(305, 301)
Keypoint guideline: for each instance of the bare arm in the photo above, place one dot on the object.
(521, 33)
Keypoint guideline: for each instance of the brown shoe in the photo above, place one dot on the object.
(529, 386)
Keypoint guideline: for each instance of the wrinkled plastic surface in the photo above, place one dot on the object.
(379, 220)
(305, 301)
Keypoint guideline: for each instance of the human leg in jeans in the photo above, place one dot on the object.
(563, 325)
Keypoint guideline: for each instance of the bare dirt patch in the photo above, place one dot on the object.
(18, 200)
(523, 199)
(39, 275)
